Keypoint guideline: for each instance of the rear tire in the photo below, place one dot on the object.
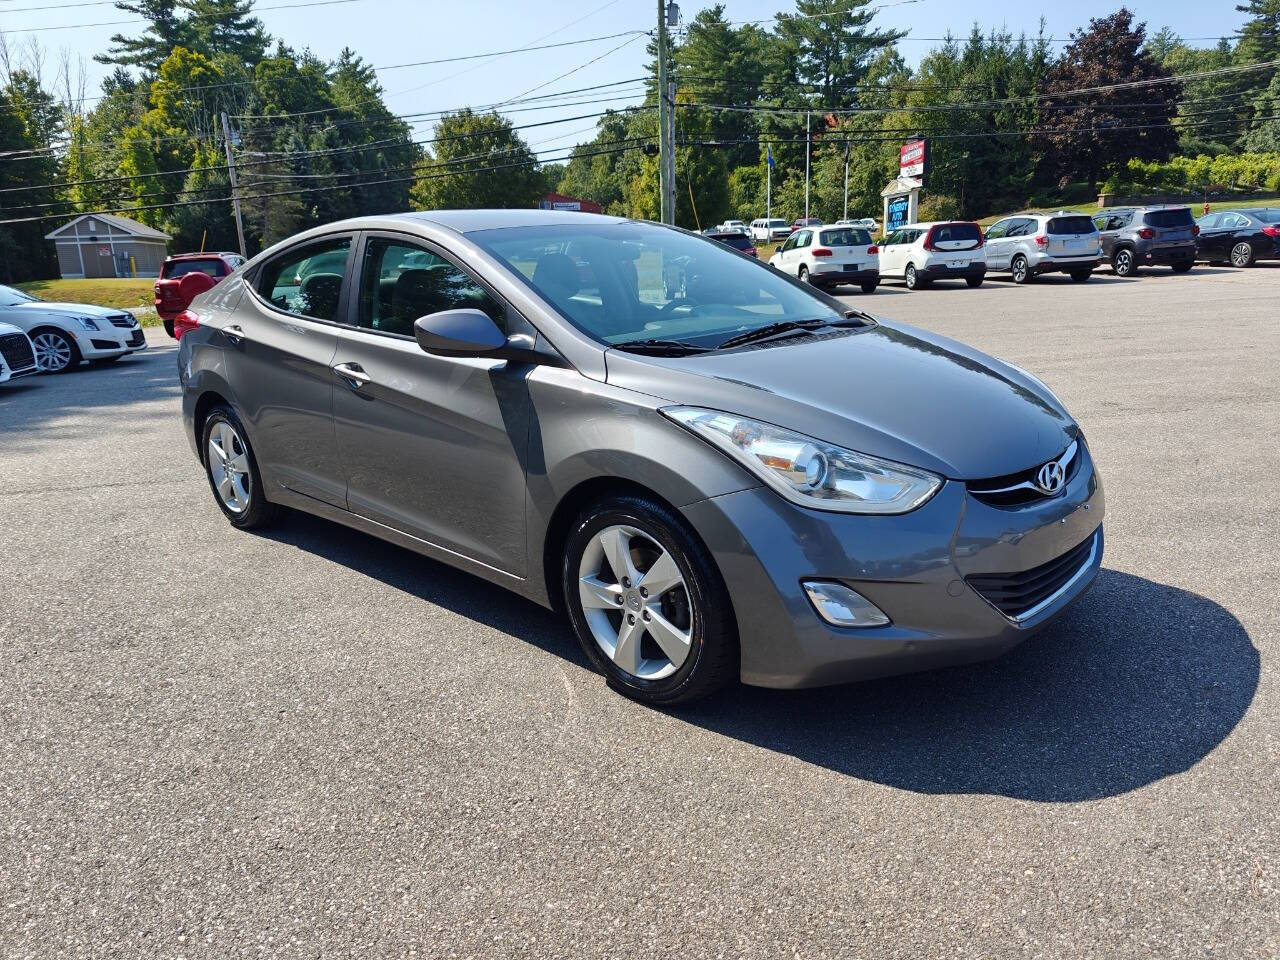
(168, 328)
(1080, 276)
(803, 274)
(870, 287)
(974, 282)
(1184, 267)
(912, 278)
(239, 491)
(1019, 269)
(1242, 254)
(1123, 264)
(697, 606)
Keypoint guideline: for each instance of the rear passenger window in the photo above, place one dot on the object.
(400, 283)
(307, 282)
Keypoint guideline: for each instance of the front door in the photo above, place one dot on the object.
(432, 446)
(997, 246)
(278, 347)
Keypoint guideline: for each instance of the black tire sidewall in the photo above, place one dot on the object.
(707, 595)
(259, 509)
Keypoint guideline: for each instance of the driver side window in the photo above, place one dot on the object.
(307, 282)
(789, 245)
(998, 229)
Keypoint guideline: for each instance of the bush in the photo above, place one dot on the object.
(939, 206)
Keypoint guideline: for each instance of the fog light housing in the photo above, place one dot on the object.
(842, 606)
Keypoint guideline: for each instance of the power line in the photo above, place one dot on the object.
(118, 23)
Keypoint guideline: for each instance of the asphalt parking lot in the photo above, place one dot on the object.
(311, 743)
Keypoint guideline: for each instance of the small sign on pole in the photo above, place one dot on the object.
(913, 160)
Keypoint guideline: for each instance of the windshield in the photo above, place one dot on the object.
(10, 297)
(634, 281)
(778, 223)
(1168, 218)
(846, 237)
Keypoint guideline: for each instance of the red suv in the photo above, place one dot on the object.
(186, 275)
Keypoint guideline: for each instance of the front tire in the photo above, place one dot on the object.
(1242, 255)
(1122, 263)
(647, 602)
(1080, 276)
(870, 286)
(233, 472)
(974, 282)
(1184, 267)
(56, 352)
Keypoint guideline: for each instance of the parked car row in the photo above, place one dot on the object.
(64, 335)
(1027, 245)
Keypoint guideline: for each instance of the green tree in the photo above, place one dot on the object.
(458, 175)
(30, 124)
(165, 30)
(833, 46)
(225, 27)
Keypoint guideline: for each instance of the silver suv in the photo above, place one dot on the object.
(1033, 243)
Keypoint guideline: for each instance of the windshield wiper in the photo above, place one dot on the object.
(670, 348)
(788, 327)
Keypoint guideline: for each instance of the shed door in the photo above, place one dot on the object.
(106, 263)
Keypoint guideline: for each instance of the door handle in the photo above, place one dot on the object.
(352, 374)
(234, 333)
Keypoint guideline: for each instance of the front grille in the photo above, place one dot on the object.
(1015, 594)
(16, 350)
(138, 338)
(124, 320)
(1019, 489)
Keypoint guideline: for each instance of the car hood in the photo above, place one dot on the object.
(67, 309)
(889, 390)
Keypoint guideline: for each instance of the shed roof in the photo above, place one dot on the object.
(132, 227)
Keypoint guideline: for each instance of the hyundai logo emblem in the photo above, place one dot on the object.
(1051, 478)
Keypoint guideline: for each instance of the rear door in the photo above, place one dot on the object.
(957, 244)
(431, 446)
(1214, 238)
(1071, 236)
(279, 343)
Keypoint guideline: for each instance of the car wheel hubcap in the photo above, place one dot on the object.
(911, 276)
(635, 602)
(1240, 255)
(229, 467)
(1122, 263)
(52, 352)
(1019, 271)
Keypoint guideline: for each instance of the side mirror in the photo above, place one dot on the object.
(459, 333)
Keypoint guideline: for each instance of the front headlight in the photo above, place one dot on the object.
(88, 323)
(809, 472)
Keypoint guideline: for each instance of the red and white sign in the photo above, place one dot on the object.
(911, 159)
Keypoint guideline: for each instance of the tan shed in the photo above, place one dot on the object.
(106, 245)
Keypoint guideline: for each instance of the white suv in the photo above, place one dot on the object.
(764, 230)
(830, 256)
(17, 355)
(924, 252)
(1034, 243)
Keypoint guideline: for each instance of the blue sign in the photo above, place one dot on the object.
(899, 208)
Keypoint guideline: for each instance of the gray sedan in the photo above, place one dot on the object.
(715, 471)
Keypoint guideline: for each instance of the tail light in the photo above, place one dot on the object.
(751, 252)
(1271, 231)
(822, 252)
(928, 240)
(873, 249)
(1195, 229)
(1146, 233)
(1041, 240)
(186, 321)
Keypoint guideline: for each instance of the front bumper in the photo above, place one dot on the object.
(110, 341)
(913, 567)
(940, 271)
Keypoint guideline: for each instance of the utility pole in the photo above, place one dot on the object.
(671, 152)
(666, 182)
(231, 175)
(806, 164)
(846, 180)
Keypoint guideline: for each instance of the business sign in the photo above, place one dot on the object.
(913, 159)
(898, 210)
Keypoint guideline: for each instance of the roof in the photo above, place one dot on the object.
(132, 227)
(467, 221)
(202, 254)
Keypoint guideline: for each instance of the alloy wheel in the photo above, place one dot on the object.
(229, 467)
(53, 352)
(1123, 263)
(1019, 270)
(1241, 255)
(910, 276)
(635, 602)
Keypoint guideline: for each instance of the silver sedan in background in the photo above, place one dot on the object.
(715, 471)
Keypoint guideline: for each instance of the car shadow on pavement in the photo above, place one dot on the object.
(1137, 682)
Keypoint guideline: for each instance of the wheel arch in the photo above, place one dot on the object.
(204, 404)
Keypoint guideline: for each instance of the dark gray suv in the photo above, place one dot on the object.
(1148, 237)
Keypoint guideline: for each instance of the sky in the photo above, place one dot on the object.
(391, 32)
